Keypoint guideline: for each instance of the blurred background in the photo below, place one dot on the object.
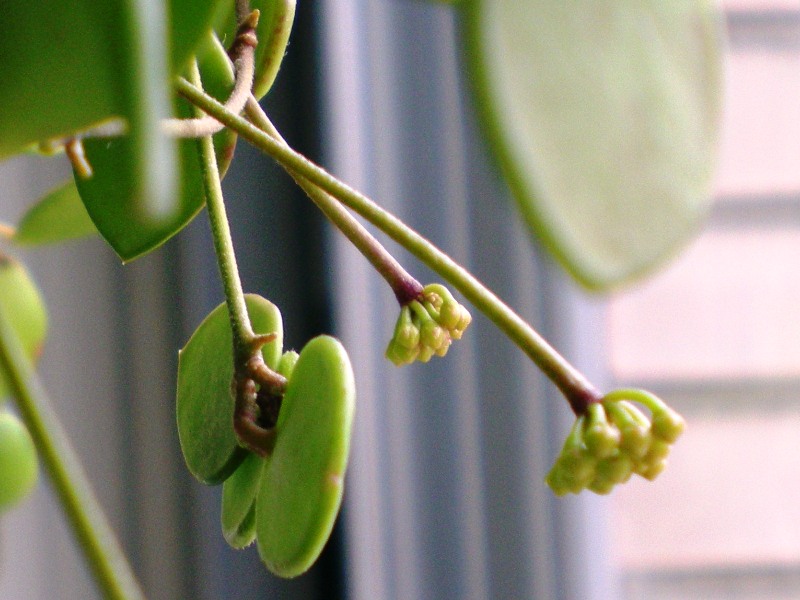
(445, 495)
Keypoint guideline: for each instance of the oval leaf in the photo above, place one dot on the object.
(604, 117)
(75, 69)
(114, 203)
(25, 309)
(239, 502)
(111, 198)
(204, 401)
(302, 482)
(19, 464)
(58, 217)
(190, 20)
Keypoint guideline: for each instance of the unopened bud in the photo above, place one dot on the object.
(668, 424)
(601, 437)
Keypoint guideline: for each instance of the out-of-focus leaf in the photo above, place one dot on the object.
(190, 20)
(60, 72)
(24, 307)
(113, 202)
(604, 117)
(58, 217)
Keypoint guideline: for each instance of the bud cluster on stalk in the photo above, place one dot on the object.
(614, 440)
(427, 326)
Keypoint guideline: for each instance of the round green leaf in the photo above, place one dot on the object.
(58, 217)
(19, 464)
(604, 117)
(25, 309)
(302, 482)
(238, 502)
(204, 401)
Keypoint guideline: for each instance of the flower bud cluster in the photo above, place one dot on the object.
(427, 326)
(614, 440)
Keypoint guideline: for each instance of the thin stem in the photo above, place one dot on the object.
(73, 148)
(241, 328)
(405, 287)
(250, 371)
(94, 535)
(575, 387)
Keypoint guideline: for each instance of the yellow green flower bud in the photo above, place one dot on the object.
(615, 469)
(635, 431)
(667, 424)
(602, 487)
(401, 355)
(651, 470)
(601, 437)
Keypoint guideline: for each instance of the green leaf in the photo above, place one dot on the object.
(273, 30)
(239, 502)
(58, 217)
(23, 305)
(302, 482)
(204, 402)
(60, 72)
(604, 117)
(70, 65)
(190, 20)
(19, 464)
(112, 200)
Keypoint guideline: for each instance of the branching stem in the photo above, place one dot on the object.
(242, 54)
(575, 387)
(250, 371)
(241, 328)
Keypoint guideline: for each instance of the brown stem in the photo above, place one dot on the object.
(405, 287)
(242, 53)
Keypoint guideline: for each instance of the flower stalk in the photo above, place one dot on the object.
(575, 387)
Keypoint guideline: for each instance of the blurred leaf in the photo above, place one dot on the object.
(604, 117)
(191, 20)
(112, 200)
(58, 217)
(60, 72)
(24, 307)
